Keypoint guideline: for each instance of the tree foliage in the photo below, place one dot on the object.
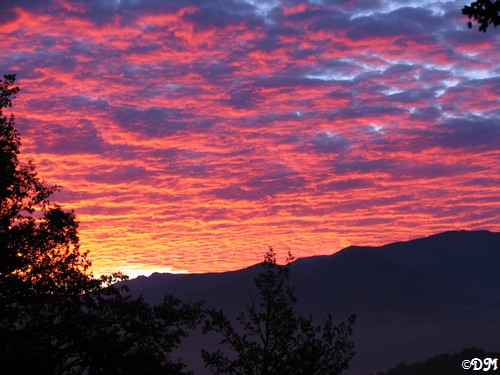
(102, 333)
(272, 340)
(484, 12)
(39, 252)
(55, 317)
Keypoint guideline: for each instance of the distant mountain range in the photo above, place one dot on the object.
(413, 299)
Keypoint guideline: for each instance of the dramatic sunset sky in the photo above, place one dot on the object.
(191, 135)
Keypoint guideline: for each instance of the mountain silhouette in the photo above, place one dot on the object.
(413, 299)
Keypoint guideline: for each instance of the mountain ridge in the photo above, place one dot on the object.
(414, 299)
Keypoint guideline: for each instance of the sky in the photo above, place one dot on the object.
(189, 136)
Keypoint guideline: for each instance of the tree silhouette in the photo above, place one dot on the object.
(484, 12)
(102, 333)
(39, 253)
(272, 340)
(55, 317)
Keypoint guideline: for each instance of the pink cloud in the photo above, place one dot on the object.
(192, 136)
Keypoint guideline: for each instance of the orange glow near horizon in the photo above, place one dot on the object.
(189, 138)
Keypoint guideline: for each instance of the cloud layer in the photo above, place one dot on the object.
(191, 135)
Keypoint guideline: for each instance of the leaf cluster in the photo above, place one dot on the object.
(484, 12)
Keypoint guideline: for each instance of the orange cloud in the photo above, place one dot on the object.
(191, 137)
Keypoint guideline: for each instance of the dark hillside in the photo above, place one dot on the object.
(413, 299)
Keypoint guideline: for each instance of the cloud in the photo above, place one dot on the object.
(477, 133)
(329, 141)
(150, 121)
(347, 185)
(118, 175)
(259, 187)
(80, 138)
(205, 131)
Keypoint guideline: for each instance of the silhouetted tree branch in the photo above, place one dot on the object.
(272, 340)
(484, 12)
